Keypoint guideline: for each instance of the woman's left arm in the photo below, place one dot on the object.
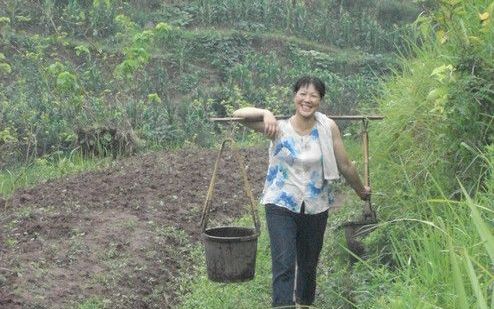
(345, 166)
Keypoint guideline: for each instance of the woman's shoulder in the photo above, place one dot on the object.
(283, 128)
(283, 122)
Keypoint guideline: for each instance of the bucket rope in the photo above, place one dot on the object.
(212, 184)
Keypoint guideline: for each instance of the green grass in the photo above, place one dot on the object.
(432, 173)
(93, 303)
(46, 168)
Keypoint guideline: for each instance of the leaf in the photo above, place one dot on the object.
(55, 68)
(474, 280)
(4, 20)
(441, 36)
(458, 281)
(66, 81)
(482, 228)
(443, 72)
(484, 16)
(81, 49)
(475, 39)
(5, 68)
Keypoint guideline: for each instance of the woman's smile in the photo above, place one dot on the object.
(307, 100)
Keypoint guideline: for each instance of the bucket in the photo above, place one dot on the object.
(354, 231)
(230, 253)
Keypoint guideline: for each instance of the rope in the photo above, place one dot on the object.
(247, 187)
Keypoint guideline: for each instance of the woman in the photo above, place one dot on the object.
(305, 156)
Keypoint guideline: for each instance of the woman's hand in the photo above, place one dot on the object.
(270, 124)
(259, 119)
(365, 194)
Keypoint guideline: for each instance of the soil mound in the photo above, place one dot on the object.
(119, 235)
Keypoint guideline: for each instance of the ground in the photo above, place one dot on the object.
(119, 235)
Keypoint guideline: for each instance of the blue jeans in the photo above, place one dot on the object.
(295, 239)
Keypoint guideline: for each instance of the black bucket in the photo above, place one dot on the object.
(230, 253)
(355, 231)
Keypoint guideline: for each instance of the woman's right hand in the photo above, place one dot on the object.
(259, 119)
(270, 124)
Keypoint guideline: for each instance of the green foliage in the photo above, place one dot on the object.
(432, 169)
(101, 17)
(97, 62)
(66, 82)
(136, 55)
(4, 20)
(5, 68)
(82, 50)
(92, 303)
(439, 103)
(44, 168)
(346, 23)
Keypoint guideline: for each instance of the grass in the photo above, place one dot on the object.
(446, 266)
(45, 168)
(93, 303)
(435, 251)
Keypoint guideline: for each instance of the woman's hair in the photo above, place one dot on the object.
(310, 80)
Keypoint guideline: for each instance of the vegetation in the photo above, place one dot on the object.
(56, 165)
(111, 77)
(435, 172)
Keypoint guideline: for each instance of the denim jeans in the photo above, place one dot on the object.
(295, 239)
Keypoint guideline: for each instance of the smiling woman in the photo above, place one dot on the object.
(306, 155)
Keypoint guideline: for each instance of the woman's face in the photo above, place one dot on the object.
(307, 100)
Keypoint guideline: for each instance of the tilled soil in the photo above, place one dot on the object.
(120, 235)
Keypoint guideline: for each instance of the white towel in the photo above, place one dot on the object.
(329, 167)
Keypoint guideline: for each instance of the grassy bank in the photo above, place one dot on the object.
(433, 169)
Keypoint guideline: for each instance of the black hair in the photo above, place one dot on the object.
(310, 80)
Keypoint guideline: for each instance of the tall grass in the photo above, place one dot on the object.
(447, 263)
(433, 170)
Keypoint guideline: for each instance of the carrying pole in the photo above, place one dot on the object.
(335, 117)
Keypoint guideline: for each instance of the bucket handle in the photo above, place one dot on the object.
(247, 188)
(369, 214)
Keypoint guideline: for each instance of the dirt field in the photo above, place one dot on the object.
(120, 235)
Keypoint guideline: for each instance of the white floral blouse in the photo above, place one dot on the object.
(295, 173)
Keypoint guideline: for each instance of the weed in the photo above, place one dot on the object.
(91, 303)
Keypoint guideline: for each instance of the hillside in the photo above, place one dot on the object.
(116, 76)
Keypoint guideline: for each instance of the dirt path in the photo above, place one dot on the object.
(120, 234)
